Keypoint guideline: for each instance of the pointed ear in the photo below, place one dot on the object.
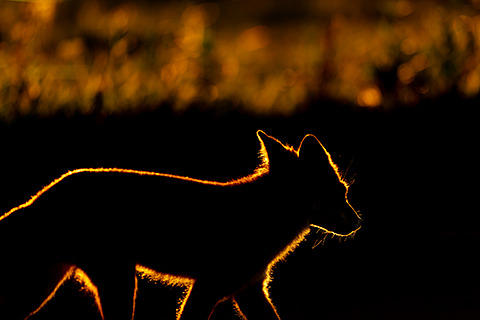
(271, 147)
(314, 155)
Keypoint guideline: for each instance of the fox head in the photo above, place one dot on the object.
(308, 176)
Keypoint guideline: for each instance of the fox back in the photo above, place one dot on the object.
(220, 239)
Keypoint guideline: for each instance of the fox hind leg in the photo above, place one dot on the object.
(116, 287)
(200, 303)
(26, 287)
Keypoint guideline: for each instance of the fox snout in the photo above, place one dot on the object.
(341, 222)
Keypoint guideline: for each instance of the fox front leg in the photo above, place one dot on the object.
(255, 305)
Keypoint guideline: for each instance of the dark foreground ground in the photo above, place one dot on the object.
(415, 185)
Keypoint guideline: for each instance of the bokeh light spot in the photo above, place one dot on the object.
(369, 97)
(405, 73)
(79, 56)
(254, 38)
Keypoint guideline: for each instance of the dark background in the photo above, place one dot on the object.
(414, 170)
(412, 153)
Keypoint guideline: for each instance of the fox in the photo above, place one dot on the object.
(110, 227)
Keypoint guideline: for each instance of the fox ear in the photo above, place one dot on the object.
(271, 147)
(314, 154)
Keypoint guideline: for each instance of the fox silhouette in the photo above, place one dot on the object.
(109, 226)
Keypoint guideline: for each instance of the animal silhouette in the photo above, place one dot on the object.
(221, 240)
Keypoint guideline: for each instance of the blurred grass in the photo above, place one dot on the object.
(82, 57)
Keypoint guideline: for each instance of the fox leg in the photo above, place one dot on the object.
(26, 288)
(200, 303)
(254, 304)
(116, 286)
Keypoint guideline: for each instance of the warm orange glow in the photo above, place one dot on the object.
(81, 277)
(281, 257)
(238, 311)
(332, 234)
(244, 58)
(259, 171)
(369, 97)
(254, 38)
(169, 280)
(67, 276)
(405, 73)
(183, 281)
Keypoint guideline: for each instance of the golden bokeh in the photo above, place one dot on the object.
(369, 97)
(86, 56)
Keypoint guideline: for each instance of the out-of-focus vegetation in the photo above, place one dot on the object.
(80, 57)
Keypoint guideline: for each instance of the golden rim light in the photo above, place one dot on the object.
(260, 171)
(172, 280)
